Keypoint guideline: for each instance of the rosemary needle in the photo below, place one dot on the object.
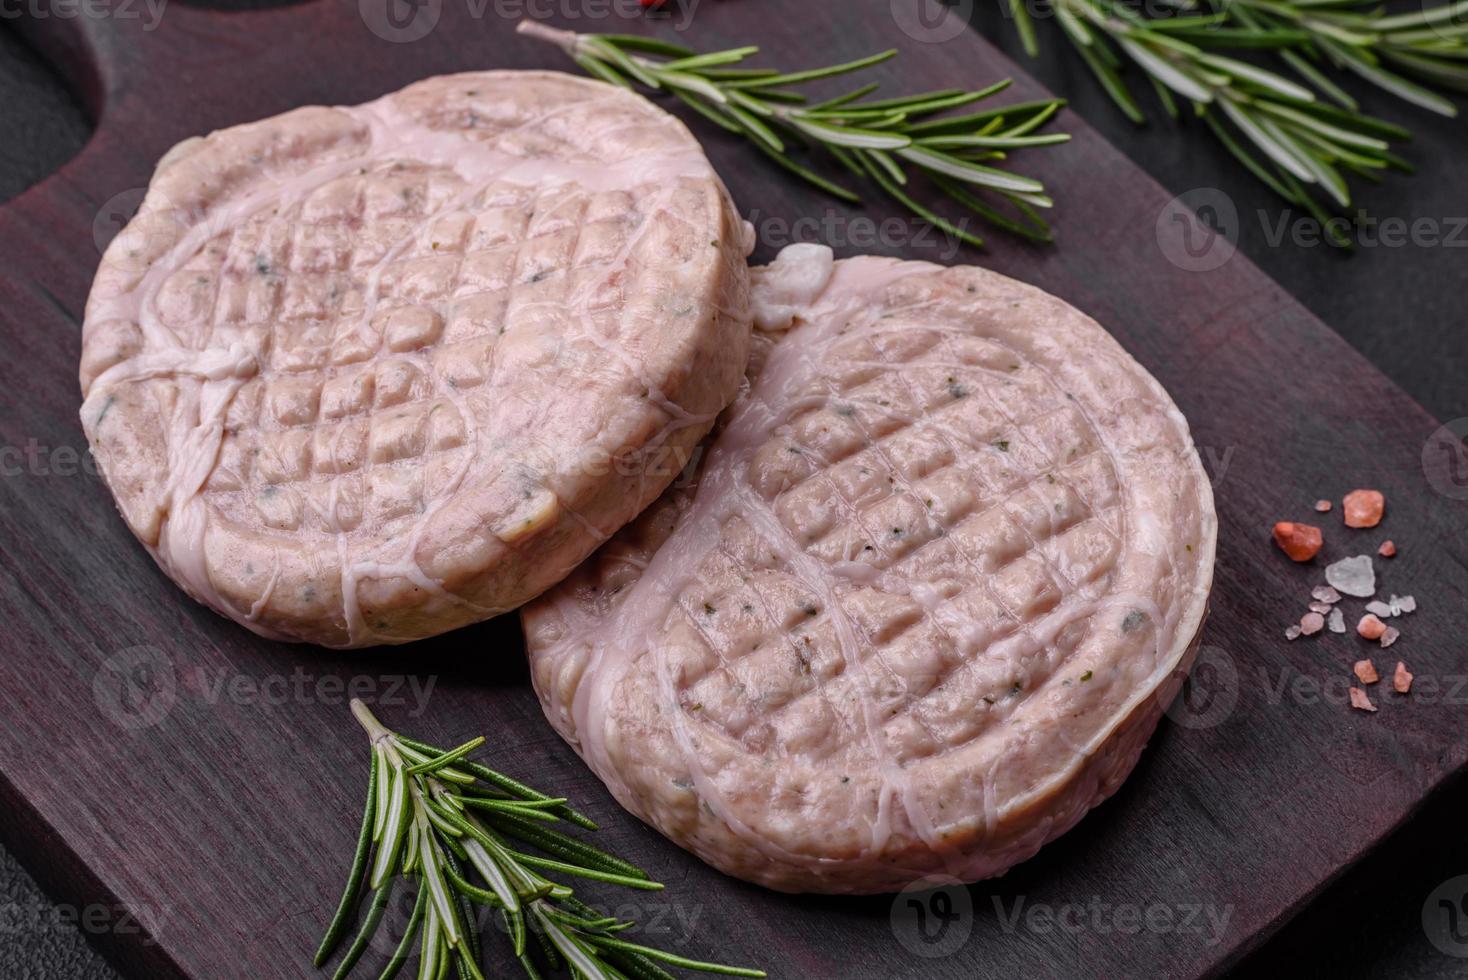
(437, 820)
(364, 936)
(447, 759)
(499, 781)
(359, 870)
(1279, 114)
(879, 141)
(400, 955)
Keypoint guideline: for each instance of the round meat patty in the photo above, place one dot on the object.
(360, 375)
(942, 569)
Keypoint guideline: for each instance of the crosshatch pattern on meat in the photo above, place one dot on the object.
(973, 501)
(432, 320)
(998, 510)
(373, 416)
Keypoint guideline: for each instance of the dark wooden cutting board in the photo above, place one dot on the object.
(156, 757)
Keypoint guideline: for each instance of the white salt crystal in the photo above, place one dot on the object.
(1353, 576)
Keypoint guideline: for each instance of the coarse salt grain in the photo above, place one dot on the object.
(1353, 576)
(1402, 679)
(1390, 635)
(1337, 621)
(1360, 701)
(1370, 627)
(1324, 593)
(1366, 672)
(1312, 623)
(1362, 508)
(1300, 541)
(1388, 549)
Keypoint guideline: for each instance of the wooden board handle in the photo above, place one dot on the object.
(84, 48)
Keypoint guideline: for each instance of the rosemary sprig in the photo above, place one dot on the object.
(443, 824)
(882, 141)
(1291, 125)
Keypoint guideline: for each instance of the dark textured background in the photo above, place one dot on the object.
(1393, 304)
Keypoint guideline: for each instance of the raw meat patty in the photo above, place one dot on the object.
(361, 375)
(941, 572)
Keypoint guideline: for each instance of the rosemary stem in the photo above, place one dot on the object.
(417, 825)
(1277, 120)
(376, 731)
(767, 107)
(567, 41)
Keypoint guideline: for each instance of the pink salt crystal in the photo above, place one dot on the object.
(1370, 627)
